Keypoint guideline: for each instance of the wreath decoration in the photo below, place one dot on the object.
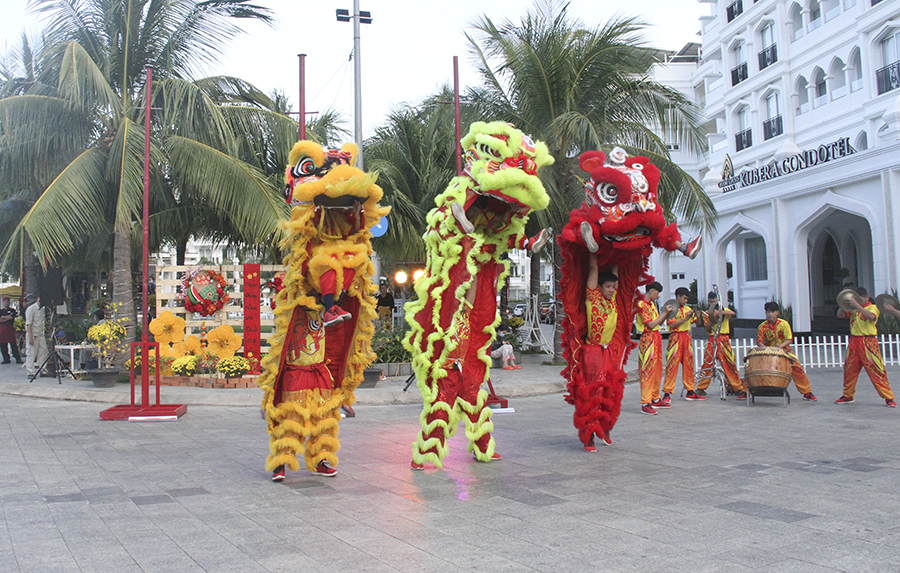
(277, 285)
(203, 292)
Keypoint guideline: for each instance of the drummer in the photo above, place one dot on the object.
(776, 332)
(718, 347)
(863, 351)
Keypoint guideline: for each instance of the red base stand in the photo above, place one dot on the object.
(493, 398)
(145, 410)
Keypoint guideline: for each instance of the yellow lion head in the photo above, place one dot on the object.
(327, 177)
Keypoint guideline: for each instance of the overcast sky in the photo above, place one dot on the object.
(406, 53)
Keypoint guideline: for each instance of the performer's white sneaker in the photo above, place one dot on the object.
(538, 241)
(460, 215)
(588, 235)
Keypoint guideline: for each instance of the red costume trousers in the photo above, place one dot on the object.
(725, 355)
(450, 389)
(328, 281)
(598, 394)
(679, 353)
(864, 352)
(650, 364)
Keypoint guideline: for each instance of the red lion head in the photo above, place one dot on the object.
(621, 198)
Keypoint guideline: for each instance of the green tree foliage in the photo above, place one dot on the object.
(72, 130)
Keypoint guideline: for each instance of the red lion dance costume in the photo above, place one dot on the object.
(619, 223)
(480, 216)
(312, 370)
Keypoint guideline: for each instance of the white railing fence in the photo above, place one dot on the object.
(813, 352)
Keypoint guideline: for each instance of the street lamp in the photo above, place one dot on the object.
(358, 18)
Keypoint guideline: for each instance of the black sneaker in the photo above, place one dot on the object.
(278, 474)
(700, 392)
(691, 395)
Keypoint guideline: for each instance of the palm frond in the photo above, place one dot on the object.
(69, 210)
(233, 188)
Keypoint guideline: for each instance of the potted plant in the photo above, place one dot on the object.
(233, 366)
(107, 337)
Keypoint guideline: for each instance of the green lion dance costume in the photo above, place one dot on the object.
(480, 217)
(320, 349)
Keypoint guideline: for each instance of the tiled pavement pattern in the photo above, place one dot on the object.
(702, 487)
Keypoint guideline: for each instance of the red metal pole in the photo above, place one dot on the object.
(456, 114)
(302, 119)
(145, 297)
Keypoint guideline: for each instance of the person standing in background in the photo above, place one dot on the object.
(8, 332)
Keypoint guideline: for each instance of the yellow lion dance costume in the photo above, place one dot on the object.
(325, 299)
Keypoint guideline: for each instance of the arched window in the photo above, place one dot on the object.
(768, 55)
(837, 79)
(856, 71)
(888, 76)
(744, 137)
(831, 8)
(802, 95)
(796, 18)
(755, 263)
(821, 88)
(773, 125)
(815, 15)
(739, 72)
(862, 141)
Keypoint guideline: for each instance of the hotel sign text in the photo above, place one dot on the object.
(776, 168)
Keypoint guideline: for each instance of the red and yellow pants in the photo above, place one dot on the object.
(650, 364)
(725, 355)
(798, 374)
(679, 353)
(864, 352)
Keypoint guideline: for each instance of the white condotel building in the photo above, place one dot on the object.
(802, 100)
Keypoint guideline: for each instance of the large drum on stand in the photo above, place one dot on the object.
(768, 373)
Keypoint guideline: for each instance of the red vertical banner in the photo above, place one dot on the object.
(251, 313)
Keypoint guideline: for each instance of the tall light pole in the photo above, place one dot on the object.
(357, 18)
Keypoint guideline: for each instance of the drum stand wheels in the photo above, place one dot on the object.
(754, 391)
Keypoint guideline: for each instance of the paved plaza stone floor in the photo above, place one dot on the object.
(705, 486)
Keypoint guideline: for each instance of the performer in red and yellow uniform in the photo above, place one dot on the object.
(598, 399)
(718, 347)
(863, 351)
(777, 332)
(679, 351)
(648, 319)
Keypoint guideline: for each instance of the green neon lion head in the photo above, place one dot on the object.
(501, 165)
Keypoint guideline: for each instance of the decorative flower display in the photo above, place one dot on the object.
(277, 285)
(165, 362)
(167, 328)
(203, 292)
(190, 346)
(107, 337)
(234, 366)
(222, 341)
(185, 366)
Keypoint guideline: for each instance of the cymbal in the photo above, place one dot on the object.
(886, 298)
(844, 297)
(671, 302)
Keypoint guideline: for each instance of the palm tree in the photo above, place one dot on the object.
(81, 118)
(579, 88)
(414, 153)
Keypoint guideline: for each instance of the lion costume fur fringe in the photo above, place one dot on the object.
(348, 344)
(453, 261)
